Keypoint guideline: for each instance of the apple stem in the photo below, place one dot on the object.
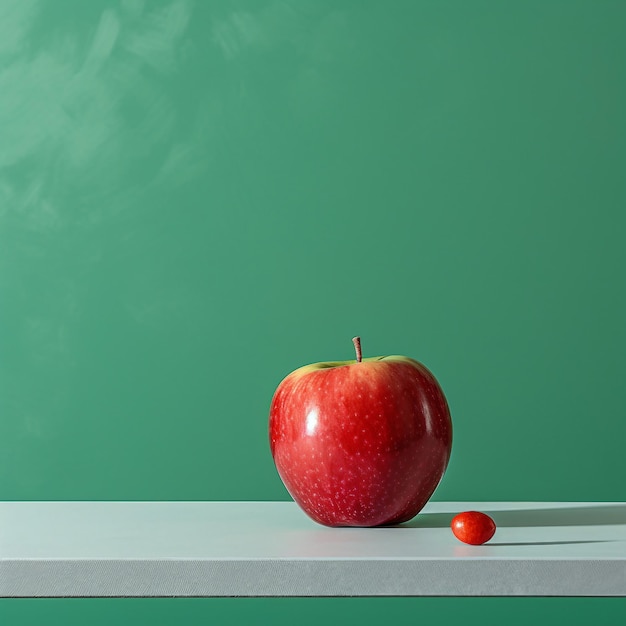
(357, 346)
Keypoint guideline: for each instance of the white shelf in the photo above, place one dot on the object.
(148, 549)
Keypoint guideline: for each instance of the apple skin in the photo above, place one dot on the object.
(361, 443)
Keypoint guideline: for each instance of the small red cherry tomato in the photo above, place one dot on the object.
(473, 527)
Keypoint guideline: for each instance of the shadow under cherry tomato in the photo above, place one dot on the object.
(544, 543)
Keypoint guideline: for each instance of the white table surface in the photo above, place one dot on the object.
(149, 549)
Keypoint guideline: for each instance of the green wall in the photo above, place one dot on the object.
(198, 197)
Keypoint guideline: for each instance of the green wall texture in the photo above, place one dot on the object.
(198, 197)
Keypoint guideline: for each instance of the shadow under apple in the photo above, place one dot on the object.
(590, 515)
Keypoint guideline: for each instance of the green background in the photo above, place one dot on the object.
(198, 197)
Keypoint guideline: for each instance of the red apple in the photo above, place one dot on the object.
(360, 443)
